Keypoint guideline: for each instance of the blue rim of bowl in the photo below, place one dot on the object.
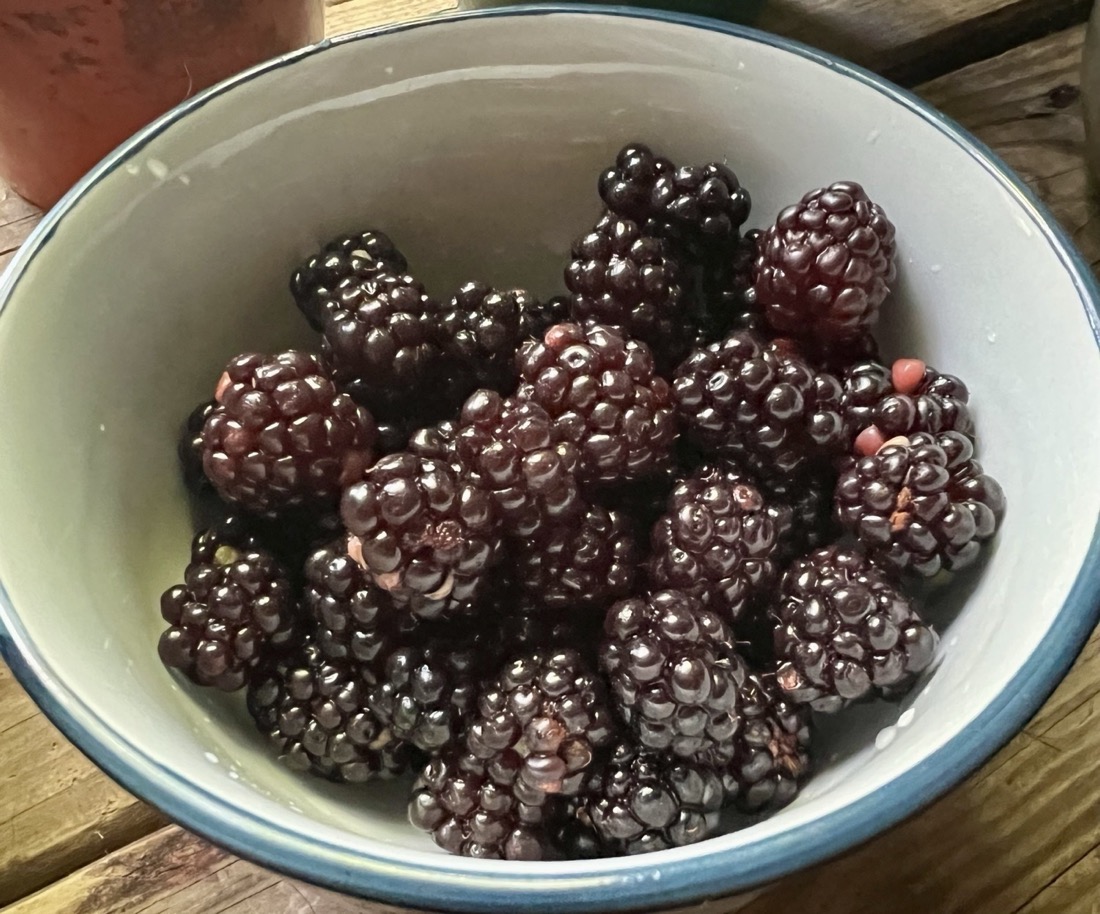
(632, 882)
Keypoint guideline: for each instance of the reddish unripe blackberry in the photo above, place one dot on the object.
(718, 542)
(234, 605)
(671, 665)
(468, 813)
(762, 404)
(647, 801)
(482, 328)
(517, 453)
(314, 712)
(771, 755)
(347, 257)
(420, 530)
(845, 632)
(826, 265)
(921, 503)
(604, 394)
(589, 562)
(621, 277)
(283, 435)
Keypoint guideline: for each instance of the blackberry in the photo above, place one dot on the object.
(718, 542)
(671, 665)
(314, 712)
(235, 604)
(540, 725)
(283, 436)
(647, 801)
(482, 329)
(190, 446)
(468, 813)
(603, 392)
(882, 403)
(587, 563)
(921, 503)
(771, 756)
(422, 532)
(436, 442)
(761, 404)
(347, 257)
(516, 452)
(381, 341)
(845, 632)
(623, 278)
(826, 265)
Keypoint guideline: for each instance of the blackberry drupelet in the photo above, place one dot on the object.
(482, 329)
(519, 455)
(717, 542)
(623, 278)
(235, 605)
(826, 265)
(604, 394)
(314, 711)
(760, 403)
(283, 435)
(423, 532)
(190, 446)
(347, 257)
(672, 669)
(845, 632)
(921, 503)
(589, 562)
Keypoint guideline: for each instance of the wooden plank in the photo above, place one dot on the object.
(350, 15)
(12, 206)
(15, 233)
(1076, 891)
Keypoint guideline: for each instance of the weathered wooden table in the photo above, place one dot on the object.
(1021, 835)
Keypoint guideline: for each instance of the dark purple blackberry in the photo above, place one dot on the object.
(314, 712)
(283, 436)
(190, 446)
(482, 329)
(921, 503)
(536, 317)
(603, 392)
(590, 562)
(235, 604)
(826, 265)
(356, 621)
(845, 632)
(671, 665)
(759, 403)
(621, 277)
(422, 532)
(771, 757)
(718, 542)
(925, 401)
(516, 452)
(540, 725)
(468, 813)
(647, 801)
(347, 257)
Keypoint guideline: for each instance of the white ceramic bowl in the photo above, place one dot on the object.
(475, 141)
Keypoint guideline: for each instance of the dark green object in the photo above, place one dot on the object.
(744, 12)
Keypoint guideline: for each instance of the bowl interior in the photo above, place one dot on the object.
(475, 145)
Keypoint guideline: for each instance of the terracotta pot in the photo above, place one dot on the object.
(79, 76)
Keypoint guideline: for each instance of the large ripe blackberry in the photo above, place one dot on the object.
(826, 265)
(468, 813)
(921, 503)
(314, 712)
(515, 451)
(590, 562)
(421, 531)
(235, 604)
(540, 725)
(845, 632)
(283, 435)
(482, 329)
(621, 277)
(362, 255)
(647, 801)
(762, 404)
(883, 402)
(718, 542)
(672, 669)
(771, 757)
(604, 394)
